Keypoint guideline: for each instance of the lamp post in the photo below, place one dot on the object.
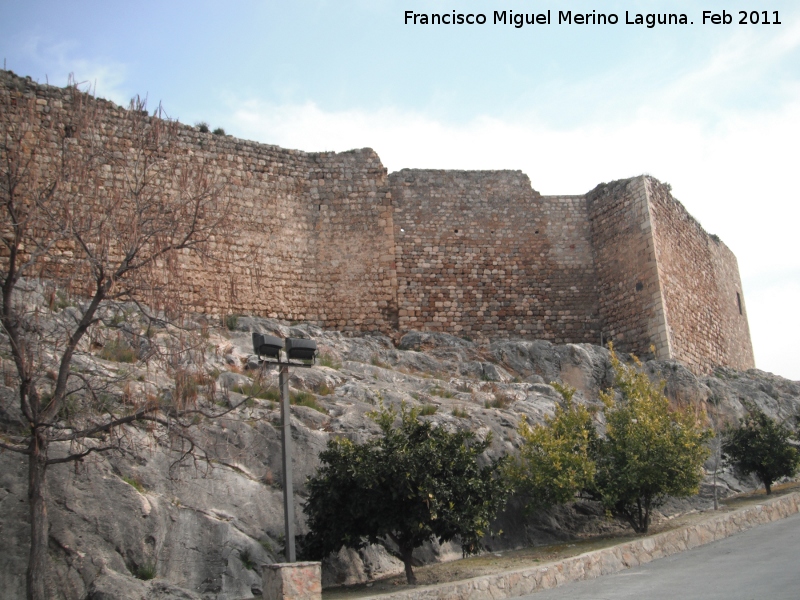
(296, 353)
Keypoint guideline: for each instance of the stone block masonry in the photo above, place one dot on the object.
(480, 253)
(292, 581)
(333, 239)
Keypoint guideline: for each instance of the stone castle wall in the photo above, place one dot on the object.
(628, 286)
(704, 303)
(481, 253)
(333, 239)
(313, 231)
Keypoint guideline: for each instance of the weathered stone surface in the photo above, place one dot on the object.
(209, 528)
(292, 581)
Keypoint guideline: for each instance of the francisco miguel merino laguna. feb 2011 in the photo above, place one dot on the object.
(568, 17)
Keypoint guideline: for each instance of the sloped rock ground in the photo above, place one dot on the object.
(203, 529)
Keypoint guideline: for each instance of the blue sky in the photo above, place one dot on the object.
(712, 109)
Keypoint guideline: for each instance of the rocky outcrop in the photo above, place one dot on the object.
(153, 527)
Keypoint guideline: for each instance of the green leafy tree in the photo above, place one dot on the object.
(413, 483)
(649, 452)
(555, 461)
(761, 446)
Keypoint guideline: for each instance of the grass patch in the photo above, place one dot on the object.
(460, 412)
(377, 362)
(145, 572)
(118, 351)
(188, 385)
(59, 301)
(324, 390)
(500, 401)
(441, 392)
(135, 483)
(428, 409)
(256, 390)
(326, 360)
(306, 399)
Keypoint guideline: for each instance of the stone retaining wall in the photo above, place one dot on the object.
(606, 561)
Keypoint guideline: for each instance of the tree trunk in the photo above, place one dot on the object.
(768, 487)
(406, 554)
(37, 501)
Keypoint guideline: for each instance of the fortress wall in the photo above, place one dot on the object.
(629, 293)
(312, 232)
(332, 239)
(481, 253)
(700, 279)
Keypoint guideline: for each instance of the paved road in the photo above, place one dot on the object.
(758, 564)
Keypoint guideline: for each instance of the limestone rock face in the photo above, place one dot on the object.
(205, 529)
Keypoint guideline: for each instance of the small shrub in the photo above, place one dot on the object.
(762, 446)
(145, 572)
(428, 410)
(306, 399)
(247, 560)
(377, 362)
(500, 401)
(267, 545)
(324, 390)
(60, 301)
(219, 131)
(231, 321)
(188, 385)
(118, 351)
(202, 126)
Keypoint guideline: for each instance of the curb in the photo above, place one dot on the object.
(590, 565)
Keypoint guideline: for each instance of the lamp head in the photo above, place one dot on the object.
(301, 349)
(267, 346)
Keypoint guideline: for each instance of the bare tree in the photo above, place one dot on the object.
(100, 209)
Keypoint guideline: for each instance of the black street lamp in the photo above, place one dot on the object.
(297, 353)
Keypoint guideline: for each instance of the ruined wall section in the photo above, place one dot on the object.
(703, 297)
(480, 253)
(628, 287)
(311, 235)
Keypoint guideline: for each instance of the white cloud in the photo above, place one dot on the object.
(104, 78)
(771, 313)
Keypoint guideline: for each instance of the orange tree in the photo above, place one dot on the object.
(649, 451)
(555, 461)
(413, 483)
(760, 445)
